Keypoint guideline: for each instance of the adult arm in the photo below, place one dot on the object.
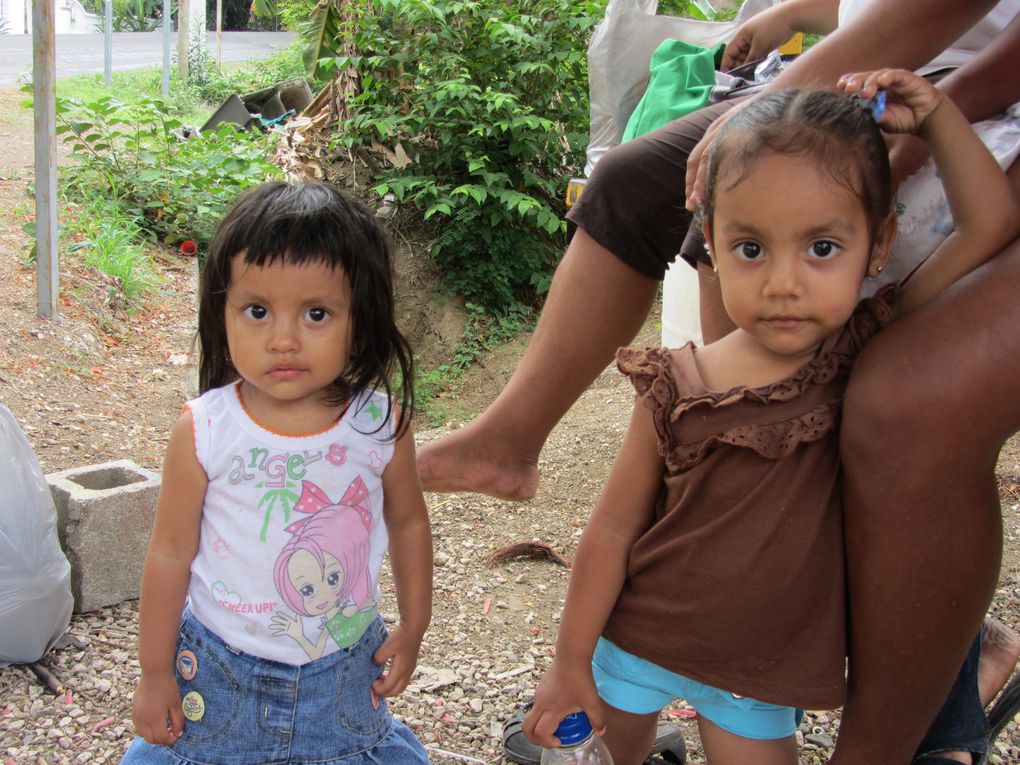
(981, 88)
(623, 512)
(900, 34)
(165, 578)
(766, 31)
(410, 543)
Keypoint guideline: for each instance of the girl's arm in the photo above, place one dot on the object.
(986, 212)
(622, 514)
(407, 523)
(165, 577)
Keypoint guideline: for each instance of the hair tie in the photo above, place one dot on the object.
(876, 105)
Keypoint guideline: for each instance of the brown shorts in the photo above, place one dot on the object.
(633, 203)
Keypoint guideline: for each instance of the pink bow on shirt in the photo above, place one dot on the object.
(313, 500)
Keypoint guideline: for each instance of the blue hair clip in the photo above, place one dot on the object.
(877, 105)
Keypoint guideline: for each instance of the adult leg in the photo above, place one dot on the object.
(930, 402)
(631, 222)
(715, 322)
(596, 304)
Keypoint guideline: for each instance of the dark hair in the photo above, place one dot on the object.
(311, 222)
(835, 130)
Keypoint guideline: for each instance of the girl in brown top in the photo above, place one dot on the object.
(712, 566)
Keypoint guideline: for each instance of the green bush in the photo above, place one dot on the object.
(490, 101)
(177, 189)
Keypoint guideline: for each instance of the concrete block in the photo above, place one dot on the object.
(104, 519)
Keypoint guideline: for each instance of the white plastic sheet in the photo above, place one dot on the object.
(35, 577)
(618, 56)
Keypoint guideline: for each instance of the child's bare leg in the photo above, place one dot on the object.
(596, 304)
(930, 402)
(629, 736)
(725, 748)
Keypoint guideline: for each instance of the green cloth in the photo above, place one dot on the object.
(682, 78)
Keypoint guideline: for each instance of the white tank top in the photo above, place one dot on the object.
(292, 534)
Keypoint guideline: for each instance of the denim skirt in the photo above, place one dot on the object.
(243, 710)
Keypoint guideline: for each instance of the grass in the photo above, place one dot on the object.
(107, 240)
(193, 102)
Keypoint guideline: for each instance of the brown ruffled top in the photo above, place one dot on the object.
(742, 568)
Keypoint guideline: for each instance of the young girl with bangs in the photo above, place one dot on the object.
(285, 483)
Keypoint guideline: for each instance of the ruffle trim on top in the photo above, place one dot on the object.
(670, 397)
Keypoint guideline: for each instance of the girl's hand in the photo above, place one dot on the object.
(400, 650)
(281, 624)
(563, 690)
(910, 100)
(156, 709)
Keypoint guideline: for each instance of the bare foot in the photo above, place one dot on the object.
(470, 459)
(1000, 650)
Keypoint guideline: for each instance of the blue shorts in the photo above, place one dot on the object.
(241, 709)
(634, 685)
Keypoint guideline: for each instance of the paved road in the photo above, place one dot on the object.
(80, 54)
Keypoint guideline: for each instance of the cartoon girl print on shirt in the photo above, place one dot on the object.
(323, 569)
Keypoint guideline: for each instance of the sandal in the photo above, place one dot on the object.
(668, 748)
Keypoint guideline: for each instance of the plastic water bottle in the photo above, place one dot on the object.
(578, 744)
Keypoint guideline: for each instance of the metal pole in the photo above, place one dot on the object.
(167, 23)
(108, 38)
(44, 95)
(183, 37)
(219, 31)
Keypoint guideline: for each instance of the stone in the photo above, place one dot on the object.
(105, 515)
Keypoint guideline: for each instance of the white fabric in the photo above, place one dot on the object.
(260, 485)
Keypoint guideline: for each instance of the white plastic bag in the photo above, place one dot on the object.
(35, 577)
(618, 56)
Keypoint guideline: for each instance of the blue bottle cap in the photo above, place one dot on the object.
(573, 729)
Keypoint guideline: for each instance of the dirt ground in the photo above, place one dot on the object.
(99, 384)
